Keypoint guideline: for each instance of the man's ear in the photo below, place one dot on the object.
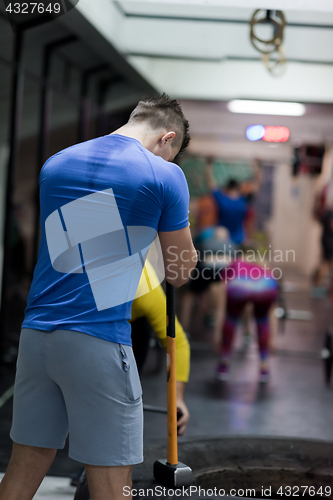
(168, 137)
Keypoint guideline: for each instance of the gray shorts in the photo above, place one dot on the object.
(69, 382)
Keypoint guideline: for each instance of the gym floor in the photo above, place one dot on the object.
(296, 403)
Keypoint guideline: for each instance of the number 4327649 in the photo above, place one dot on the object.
(33, 7)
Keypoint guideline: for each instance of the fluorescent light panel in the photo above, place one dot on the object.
(266, 107)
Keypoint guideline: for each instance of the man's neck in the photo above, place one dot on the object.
(135, 132)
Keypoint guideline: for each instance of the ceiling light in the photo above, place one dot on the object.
(266, 107)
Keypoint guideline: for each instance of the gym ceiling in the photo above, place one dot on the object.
(202, 50)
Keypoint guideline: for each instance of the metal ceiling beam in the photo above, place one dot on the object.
(324, 6)
(219, 60)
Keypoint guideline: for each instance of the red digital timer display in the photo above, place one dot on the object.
(276, 134)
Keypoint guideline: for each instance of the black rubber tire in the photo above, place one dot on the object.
(82, 491)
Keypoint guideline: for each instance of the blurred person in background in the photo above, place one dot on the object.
(324, 214)
(205, 287)
(249, 189)
(247, 283)
(203, 214)
(232, 205)
(222, 216)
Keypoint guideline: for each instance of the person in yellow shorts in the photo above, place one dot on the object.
(152, 306)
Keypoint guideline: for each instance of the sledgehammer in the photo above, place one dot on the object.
(169, 471)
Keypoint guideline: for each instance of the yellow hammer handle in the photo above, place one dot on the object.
(172, 455)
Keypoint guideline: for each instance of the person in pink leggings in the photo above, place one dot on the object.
(247, 282)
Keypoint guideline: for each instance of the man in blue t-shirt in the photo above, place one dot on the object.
(103, 203)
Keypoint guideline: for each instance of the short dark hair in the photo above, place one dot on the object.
(163, 113)
(232, 184)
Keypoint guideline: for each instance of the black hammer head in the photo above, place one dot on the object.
(174, 476)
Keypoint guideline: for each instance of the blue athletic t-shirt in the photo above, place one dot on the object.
(231, 214)
(102, 203)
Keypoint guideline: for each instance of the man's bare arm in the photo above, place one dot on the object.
(179, 255)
